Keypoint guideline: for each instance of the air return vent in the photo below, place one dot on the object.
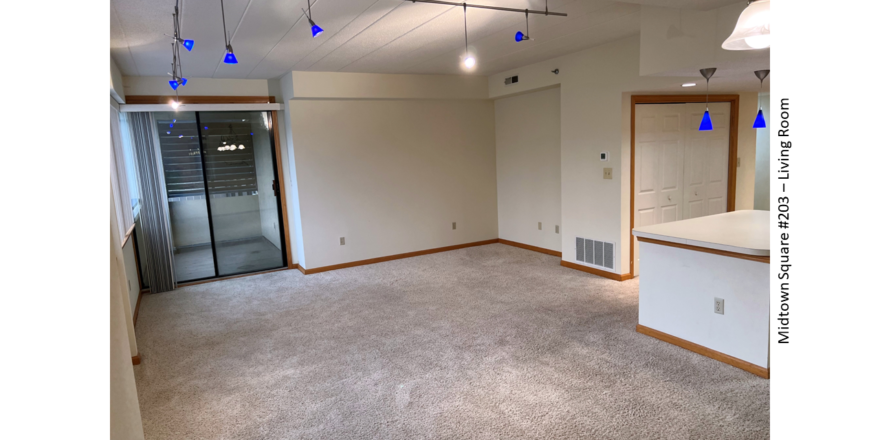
(511, 80)
(599, 254)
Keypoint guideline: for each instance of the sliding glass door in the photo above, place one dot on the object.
(222, 185)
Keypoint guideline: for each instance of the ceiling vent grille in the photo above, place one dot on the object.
(599, 254)
(511, 80)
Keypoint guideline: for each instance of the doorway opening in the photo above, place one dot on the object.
(676, 171)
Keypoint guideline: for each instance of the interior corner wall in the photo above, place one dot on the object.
(392, 175)
(594, 102)
(745, 151)
(528, 164)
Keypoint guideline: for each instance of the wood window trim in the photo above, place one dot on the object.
(165, 99)
(680, 99)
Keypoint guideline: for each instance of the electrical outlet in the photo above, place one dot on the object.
(719, 306)
(557, 229)
(453, 226)
(606, 173)
(275, 225)
(539, 226)
(342, 241)
(738, 162)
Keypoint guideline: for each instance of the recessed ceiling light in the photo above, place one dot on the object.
(689, 84)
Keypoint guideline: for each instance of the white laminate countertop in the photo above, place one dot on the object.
(743, 232)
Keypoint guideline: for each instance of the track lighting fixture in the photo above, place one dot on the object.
(316, 30)
(752, 29)
(230, 55)
(706, 123)
(469, 60)
(519, 35)
(188, 44)
(759, 119)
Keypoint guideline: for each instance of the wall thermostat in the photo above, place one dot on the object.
(603, 156)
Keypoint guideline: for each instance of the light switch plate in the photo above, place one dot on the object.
(539, 226)
(606, 173)
(719, 306)
(342, 241)
(453, 225)
(557, 229)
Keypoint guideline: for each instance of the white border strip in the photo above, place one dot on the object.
(199, 107)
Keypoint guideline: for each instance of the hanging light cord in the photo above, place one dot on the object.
(707, 94)
(527, 22)
(223, 14)
(466, 49)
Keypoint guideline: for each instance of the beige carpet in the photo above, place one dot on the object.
(489, 342)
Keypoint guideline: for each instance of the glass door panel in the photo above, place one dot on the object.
(185, 187)
(239, 166)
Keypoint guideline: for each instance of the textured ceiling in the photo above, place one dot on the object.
(272, 37)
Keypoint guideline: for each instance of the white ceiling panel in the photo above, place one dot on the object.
(401, 20)
(338, 19)
(264, 23)
(272, 37)
(119, 50)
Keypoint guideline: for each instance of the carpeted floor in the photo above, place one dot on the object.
(491, 342)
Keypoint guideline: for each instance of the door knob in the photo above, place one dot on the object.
(669, 197)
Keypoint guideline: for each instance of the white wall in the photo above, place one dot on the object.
(392, 175)
(133, 289)
(125, 414)
(674, 40)
(117, 87)
(762, 159)
(595, 89)
(528, 164)
(158, 85)
(387, 86)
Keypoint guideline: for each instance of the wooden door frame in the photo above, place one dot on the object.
(680, 99)
(164, 99)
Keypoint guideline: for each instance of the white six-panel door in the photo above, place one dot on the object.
(680, 172)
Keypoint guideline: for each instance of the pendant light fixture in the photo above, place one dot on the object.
(519, 35)
(230, 55)
(316, 30)
(177, 79)
(759, 120)
(469, 61)
(188, 44)
(706, 123)
(752, 29)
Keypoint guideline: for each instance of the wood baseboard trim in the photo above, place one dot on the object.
(394, 257)
(708, 352)
(530, 247)
(758, 258)
(301, 269)
(137, 307)
(136, 359)
(601, 273)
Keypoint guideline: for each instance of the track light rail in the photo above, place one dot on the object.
(494, 8)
